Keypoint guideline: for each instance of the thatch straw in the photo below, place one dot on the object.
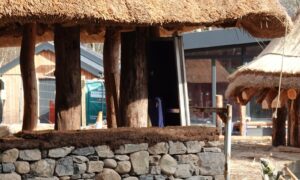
(260, 18)
(264, 71)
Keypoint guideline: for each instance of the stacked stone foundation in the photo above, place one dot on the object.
(191, 159)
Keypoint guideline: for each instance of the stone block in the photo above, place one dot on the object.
(131, 148)
(43, 168)
(80, 159)
(22, 167)
(9, 156)
(95, 166)
(176, 148)
(30, 155)
(140, 162)
(187, 159)
(212, 149)
(80, 168)
(211, 163)
(10, 176)
(60, 152)
(183, 171)
(159, 148)
(84, 151)
(108, 174)
(193, 146)
(104, 151)
(110, 163)
(200, 178)
(65, 167)
(122, 157)
(8, 167)
(123, 167)
(168, 165)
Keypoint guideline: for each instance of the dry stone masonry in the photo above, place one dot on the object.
(192, 160)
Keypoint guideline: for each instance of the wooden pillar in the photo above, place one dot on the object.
(278, 127)
(68, 78)
(111, 56)
(294, 123)
(29, 77)
(134, 79)
(243, 123)
(219, 104)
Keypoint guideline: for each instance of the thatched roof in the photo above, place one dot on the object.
(260, 18)
(199, 71)
(264, 71)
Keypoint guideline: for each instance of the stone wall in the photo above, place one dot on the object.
(194, 160)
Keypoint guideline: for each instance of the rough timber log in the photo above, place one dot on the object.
(267, 102)
(294, 123)
(134, 83)
(68, 78)
(111, 56)
(278, 128)
(243, 124)
(29, 77)
(282, 100)
(248, 93)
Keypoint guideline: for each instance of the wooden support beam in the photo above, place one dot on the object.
(134, 79)
(243, 124)
(68, 78)
(111, 56)
(219, 104)
(267, 102)
(278, 128)
(29, 77)
(294, 123)
(282, 100)
(248, 93)
(262, 95)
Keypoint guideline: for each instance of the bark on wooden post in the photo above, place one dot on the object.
(68, 78)
(294, 123)
(243, 123)
(111, 56)
(278, 127)
(29, 77)
(134, 80)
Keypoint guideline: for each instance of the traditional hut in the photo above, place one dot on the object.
(261, 78)
(71, 22)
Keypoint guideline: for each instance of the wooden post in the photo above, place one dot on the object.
(67, 75)
(83, 103)
(294, 123)
(219, 104)
(134, 79)
(29, 77)
(278, 127)
(243, 124)
(111, 56)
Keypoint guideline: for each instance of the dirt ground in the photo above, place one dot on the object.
(246, 153)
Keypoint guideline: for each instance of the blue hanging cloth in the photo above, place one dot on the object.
(156, 113)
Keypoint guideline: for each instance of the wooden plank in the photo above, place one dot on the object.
(134, 79)
(294, 123)
(29, 77)
(68, 77)
(111, 56)
(83, 103)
